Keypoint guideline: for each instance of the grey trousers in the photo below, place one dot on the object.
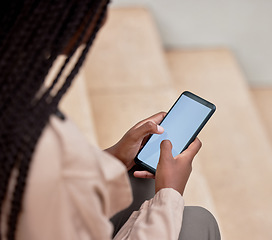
(198, 223)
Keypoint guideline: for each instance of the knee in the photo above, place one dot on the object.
(199, 215)
(199, 223)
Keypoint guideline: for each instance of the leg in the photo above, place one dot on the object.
(143, 189)
(198, 224)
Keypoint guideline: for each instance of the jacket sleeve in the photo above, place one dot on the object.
(158, 218)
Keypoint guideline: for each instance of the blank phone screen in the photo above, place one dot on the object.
(180, 125)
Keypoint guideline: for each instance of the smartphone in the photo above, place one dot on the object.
(181, 126)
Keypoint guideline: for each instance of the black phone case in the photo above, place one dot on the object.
(196, 98)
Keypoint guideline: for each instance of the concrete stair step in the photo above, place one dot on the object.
(263, 100)
(236, 154)
(127, 53)
(128, 80)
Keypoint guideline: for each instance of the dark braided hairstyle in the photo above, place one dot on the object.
(33, 33)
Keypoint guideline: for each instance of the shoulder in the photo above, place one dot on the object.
(68, 179)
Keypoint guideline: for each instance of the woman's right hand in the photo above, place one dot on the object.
(174, 172)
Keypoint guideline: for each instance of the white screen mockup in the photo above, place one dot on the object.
(179, 126)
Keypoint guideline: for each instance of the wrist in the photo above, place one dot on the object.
(114, 152)
(110, 151)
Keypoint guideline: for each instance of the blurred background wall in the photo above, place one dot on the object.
(243, 26)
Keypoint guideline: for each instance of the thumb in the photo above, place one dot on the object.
(166, 150)
(147, 128)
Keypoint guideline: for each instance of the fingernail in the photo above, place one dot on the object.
(160, 129)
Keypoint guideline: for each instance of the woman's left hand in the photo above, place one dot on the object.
(134, 139)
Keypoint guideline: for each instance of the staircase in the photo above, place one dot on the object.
(128, 76)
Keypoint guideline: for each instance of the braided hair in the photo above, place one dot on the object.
(33, 34)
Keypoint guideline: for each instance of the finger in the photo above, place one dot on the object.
(193, 149)
(144, 141)
(156, 118)
(143, 174)
(195, 146)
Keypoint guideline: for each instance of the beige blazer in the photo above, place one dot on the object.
(73, 189)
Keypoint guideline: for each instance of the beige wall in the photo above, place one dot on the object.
(244, 26)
